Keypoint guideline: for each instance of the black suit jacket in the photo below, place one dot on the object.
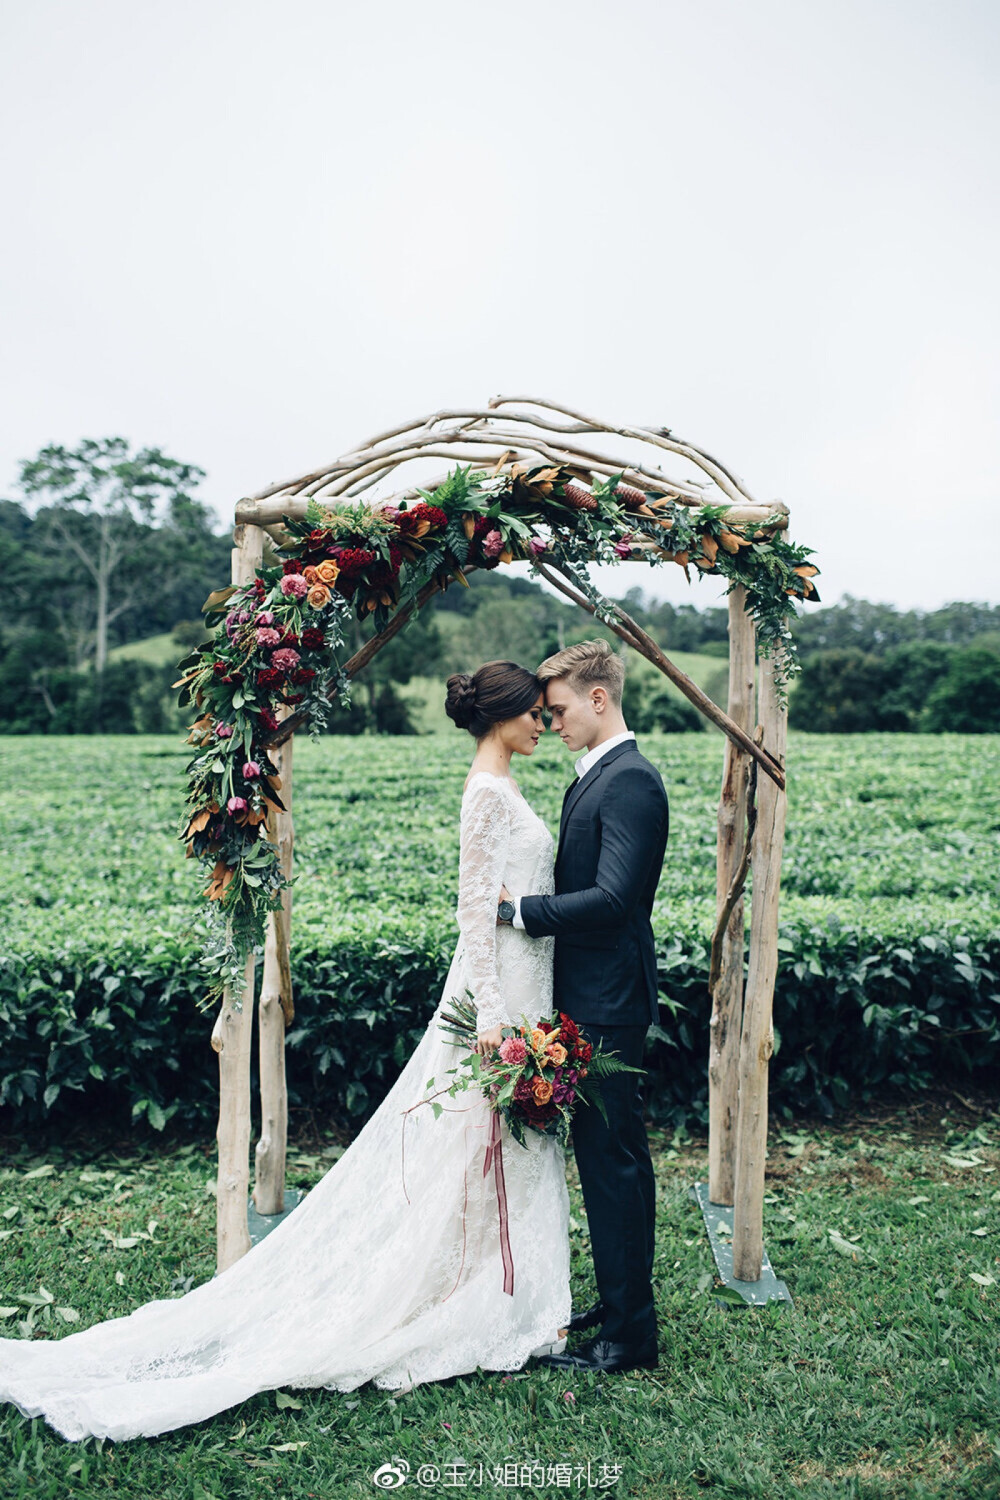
(612, 839)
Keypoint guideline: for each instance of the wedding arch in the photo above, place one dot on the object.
(532, 480)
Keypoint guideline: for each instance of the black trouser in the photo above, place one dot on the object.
(619, 1189)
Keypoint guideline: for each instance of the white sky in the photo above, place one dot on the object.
(258, 234)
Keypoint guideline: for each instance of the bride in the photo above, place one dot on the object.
(407, 1262)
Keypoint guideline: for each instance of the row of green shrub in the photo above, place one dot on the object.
(121, 1035)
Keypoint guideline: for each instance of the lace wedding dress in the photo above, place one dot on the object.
(391, 1269)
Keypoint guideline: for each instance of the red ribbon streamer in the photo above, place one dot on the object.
(494, 1157)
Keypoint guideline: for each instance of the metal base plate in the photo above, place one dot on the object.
(260, 1224)
(716, 1215)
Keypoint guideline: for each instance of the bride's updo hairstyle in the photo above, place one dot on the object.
(499, 690)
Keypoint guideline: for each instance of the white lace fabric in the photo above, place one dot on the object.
(374, 1276)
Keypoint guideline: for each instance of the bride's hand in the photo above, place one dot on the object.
(487, 1041)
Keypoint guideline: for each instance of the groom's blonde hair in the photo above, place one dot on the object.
(585, 665)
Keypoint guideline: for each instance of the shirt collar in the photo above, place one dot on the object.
(591, 758)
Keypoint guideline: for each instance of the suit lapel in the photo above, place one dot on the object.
(576, 789)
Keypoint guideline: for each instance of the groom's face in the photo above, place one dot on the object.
(574, 718)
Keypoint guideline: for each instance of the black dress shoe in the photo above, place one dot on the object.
(589, 1319)
(605, 1354)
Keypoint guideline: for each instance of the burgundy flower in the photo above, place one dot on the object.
(268, 677)
(354, 560)
(312, 639)
(268, 717)
(431, 513)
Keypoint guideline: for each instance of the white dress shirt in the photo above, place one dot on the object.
(583, 765)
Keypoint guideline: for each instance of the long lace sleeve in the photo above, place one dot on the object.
(485, 838)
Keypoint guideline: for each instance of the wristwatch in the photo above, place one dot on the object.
(505, 912)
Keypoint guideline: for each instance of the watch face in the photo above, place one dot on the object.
(506, 909)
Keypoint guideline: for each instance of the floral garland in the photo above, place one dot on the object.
(276, 638)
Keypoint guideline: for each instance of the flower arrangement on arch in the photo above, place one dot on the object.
(275, 640)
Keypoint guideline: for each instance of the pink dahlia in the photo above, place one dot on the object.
(294, 586)
(492, 544)
(267, 637)
(513, 1050)
(285, 659)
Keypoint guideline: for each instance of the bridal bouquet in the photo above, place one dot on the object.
(537, 1075)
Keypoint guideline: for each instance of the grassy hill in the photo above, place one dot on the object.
(161, 650)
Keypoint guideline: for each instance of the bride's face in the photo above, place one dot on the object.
(521, 734)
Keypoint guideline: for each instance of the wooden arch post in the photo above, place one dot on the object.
(751, 814)
(231, 1037)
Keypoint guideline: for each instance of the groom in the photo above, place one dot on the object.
(612, 839)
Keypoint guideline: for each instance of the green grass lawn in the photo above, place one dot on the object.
(883, 1379)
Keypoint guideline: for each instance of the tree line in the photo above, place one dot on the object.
(107, 547)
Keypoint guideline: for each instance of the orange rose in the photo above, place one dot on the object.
(318, 596)
(542, 1090)
(557, 1052)
(539, 1039)
(311, 575)
(327, 571)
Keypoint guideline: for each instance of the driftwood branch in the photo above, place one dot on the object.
(736, 889)
(635, 636)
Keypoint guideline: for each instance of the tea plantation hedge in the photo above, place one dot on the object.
(889, 949)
